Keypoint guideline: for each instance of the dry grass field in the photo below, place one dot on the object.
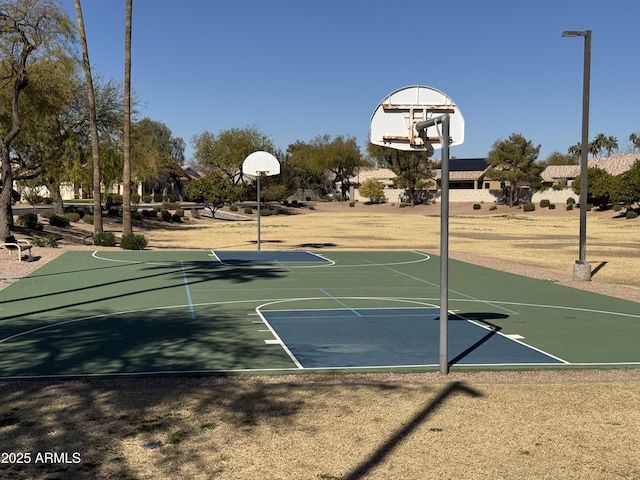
(484, 425)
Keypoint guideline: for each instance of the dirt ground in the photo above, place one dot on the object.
(477, 425)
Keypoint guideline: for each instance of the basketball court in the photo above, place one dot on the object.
(120, 313)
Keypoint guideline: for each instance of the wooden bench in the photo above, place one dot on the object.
(12, 244)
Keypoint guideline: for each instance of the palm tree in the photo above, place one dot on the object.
(610, 144)
(598, 144)
(93, 123)
(127, 228)
(634, 138)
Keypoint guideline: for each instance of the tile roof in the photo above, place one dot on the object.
(614, 165)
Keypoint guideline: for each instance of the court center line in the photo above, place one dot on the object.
(340, 302)
(186, 287)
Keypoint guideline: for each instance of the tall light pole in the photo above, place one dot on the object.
(582, 268)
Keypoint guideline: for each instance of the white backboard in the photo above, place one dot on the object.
(261, 163)
(393, 121)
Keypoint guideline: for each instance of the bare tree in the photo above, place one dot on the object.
(127, 228)
(93, 123)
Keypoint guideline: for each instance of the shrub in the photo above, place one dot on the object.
(58, 221)
(47, 214)
(165, 215)
(552, 206)
(135, 198)
(477, 206)
(73, 217)
(170, 205)
(569, 206)
(195, 213)
(157, 197)
(544, 203)
(133, 242)
(146, 198)
(631, 214)
(46, 241)
(104, 239)
(136, 215)
(29, 220)
(233, 208)
(352, 204)
(170, 198)
(571, 201)
(88, 219)
(179, 212)
(493, 207)
(248, 210)
(529, 207)
(176, 218)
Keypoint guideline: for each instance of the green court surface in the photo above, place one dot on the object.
(202, 312)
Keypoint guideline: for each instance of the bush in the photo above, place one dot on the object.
(176, 218)
(233, 208)
(47, 214)
(552, 206)
(352, 204)
(170, 205)
(170, 198)
(569, 206)
(493, 207)
(631, 214)
(195, 213)
(477, 206)
(165, 215)
(133, 242)
(104, 239)
(529, 207)
(571, 201)
(135, 198)
(146, 198)
(58, 221)
(544, 203)
(46, 241)
(88, 219)
(248, 210)
(29, 220)
(179, 212)
(157, 197)
(73, 217)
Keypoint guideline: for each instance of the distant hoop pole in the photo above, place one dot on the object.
(258, 175)
(444, 235)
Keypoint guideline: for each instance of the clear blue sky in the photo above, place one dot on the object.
(296, 69)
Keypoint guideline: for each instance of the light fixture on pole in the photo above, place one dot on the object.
(582, 268)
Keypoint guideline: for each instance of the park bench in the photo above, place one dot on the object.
(12, 244)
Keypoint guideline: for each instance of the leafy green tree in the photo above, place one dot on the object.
(341, 156)
(156, 154)
(372, 189)
(626, 187)
(557, 158)
(600, 185)
(213, 190)
(29, 30)
(610, 145)
(304, 169)
(414, 170)
(513, 161)
(227, 151)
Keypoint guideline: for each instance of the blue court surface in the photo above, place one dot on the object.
(390, 337)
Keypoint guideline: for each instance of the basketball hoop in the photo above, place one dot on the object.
(417, 119)
(260, 164)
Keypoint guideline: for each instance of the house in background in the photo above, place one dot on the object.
(564, 175)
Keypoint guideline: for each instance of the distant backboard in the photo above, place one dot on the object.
(261, 163)
(393, 121)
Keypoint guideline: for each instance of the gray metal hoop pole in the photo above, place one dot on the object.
(444, 249)
(258, 184)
